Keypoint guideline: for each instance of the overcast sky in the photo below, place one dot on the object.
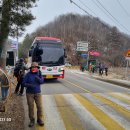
(113, 12)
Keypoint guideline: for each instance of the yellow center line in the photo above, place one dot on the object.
(78, 86)
(105, 120)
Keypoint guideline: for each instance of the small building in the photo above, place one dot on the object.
(11, 56)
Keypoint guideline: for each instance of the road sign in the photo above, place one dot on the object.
(84, 55)
(82, 46)
(127, 55)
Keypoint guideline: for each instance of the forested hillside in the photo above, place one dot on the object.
(71, 28)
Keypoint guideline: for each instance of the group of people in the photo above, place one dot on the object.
(103, 68)
(31, 81)
(92, 68)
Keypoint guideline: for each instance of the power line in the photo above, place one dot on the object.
(87, 7)
(112, 16)
(71, 1)
(98, 7)
(123, 8)
(102, 10)
(107, 12)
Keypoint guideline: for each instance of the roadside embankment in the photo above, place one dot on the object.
(13, 117)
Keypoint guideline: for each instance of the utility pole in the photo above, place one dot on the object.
(17, 36)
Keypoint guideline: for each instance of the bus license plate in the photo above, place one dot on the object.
(49, 76)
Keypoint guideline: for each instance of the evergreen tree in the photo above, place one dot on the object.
(16, 15)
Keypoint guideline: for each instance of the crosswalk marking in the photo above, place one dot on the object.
(115, 105)
(109, 111)
(70, 118)
(88, 120)
(117, 102)
(108, 122)
(86, 111)
(122, 97)
(53, 120)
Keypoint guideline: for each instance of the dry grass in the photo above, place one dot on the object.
(14, 111)
(120, 72)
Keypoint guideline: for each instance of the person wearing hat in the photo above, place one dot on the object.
(32, 81)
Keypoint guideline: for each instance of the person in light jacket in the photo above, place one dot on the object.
(32, 81)
(4, 84)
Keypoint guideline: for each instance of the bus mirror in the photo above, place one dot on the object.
(39, 52)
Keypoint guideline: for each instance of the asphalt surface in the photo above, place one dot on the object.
(81, 101)
(123, 83)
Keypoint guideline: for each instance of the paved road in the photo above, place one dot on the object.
(79, 102)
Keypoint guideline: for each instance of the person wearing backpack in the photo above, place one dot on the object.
(19, 72)
(32, 81)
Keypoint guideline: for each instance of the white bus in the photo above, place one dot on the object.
(50, 55)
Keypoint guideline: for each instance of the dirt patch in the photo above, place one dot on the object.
(13, 117)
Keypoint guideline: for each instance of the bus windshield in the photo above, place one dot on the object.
(53, 53)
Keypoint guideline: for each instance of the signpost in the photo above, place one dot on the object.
(82, 46)
(127, 55)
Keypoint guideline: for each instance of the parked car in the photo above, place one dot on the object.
(68, 64)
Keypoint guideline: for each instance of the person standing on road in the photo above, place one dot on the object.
(32, 81)
(19, 72)
(106, 70)
(101, 68)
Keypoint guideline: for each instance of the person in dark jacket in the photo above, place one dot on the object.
(106, 70)
(20, 70)
(32, 81)
(101, 69)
